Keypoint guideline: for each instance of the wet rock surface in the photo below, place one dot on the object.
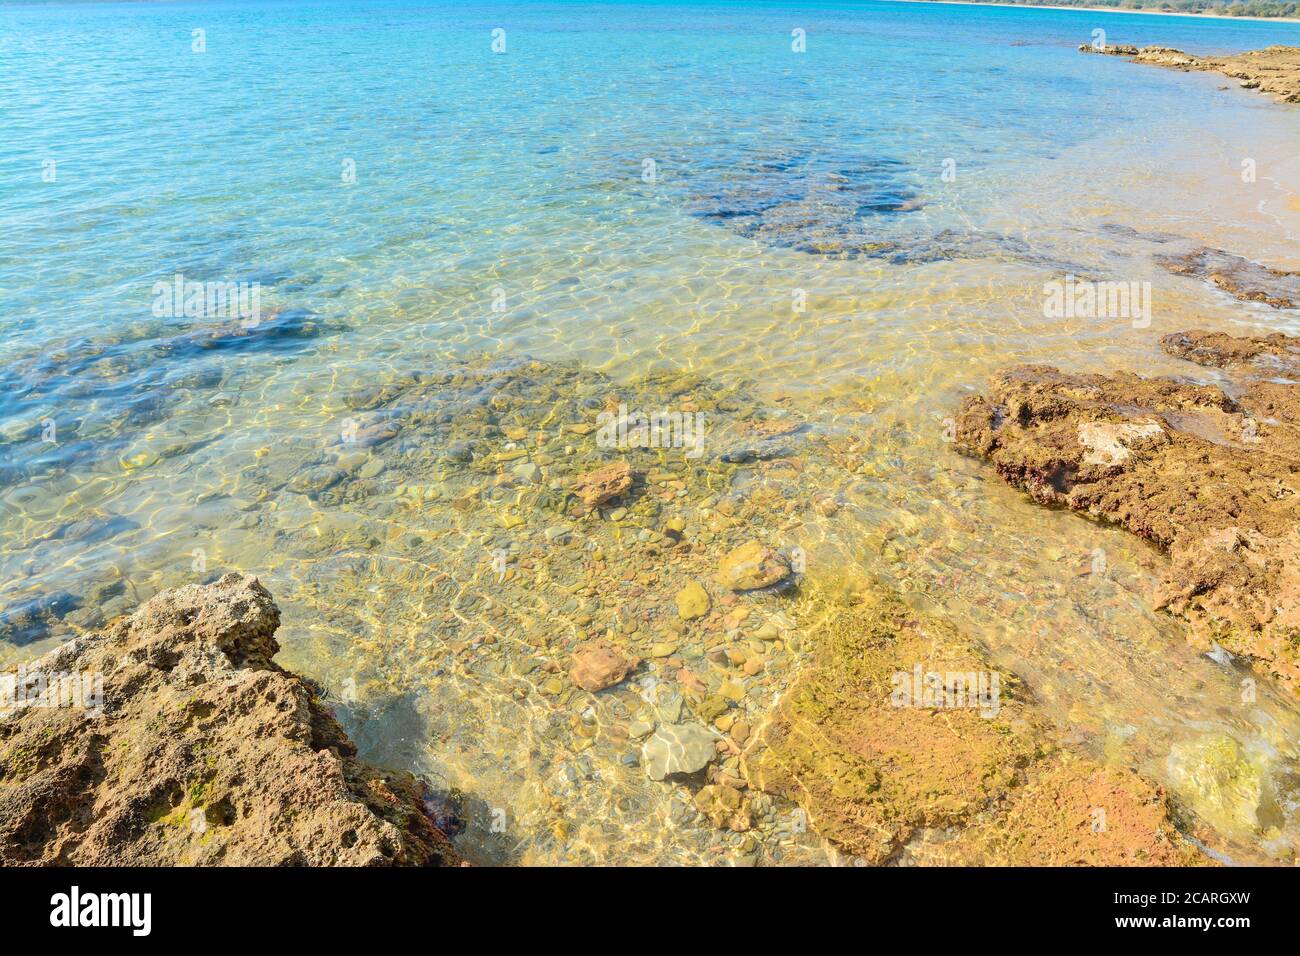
(1239, 277)
(752, 566)
(1275, 354)
(200, 750)
(598, 664)
(678, 749)
(1274, 70)
(1211, 479)
(889, 777)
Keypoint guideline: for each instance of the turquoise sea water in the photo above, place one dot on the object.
(405, 198)
(227, 164)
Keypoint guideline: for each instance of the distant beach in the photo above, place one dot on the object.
(1050, 6)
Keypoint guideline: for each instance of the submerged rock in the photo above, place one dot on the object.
(604, 484)
(27, 621)
(313, 480)
(281, 328)
(180, 742)
(815, 201)
(1270, 354)
(837, 207)
(678, 748)
(752, 566)
(1208, 478)
(891, 734)
(1223, 784)
(760, 441)
(692, 601)
(1239, 277)
(724, 806)
(598, 664)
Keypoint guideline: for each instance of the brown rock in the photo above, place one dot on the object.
(752, 566)
(724, 806)
(1111, 49)
(1239, 277)
(1274, 70)
(877, 771)
(604, 484)
(203, 752)
(1270, 354)
(598, 664)
(1214, 481)
(690, 681)
(1076, 813)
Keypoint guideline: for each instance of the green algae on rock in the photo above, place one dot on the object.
(692, 601)
(1224, 785)
(896, 781)
(200, 751)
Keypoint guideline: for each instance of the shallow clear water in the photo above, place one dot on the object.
(500, 207)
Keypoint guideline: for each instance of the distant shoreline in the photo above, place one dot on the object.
(1049, 6)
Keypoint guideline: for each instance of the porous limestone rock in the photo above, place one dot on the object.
(1207, 476)
(692, 601)
(603, 484)
(199, 751)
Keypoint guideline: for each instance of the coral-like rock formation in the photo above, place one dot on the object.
(192, 747)
(1274, 70)
(1212, 479)
(904, 744)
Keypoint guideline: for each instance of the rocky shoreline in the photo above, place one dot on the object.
(190, 746)
(1274, 70)
(1210, 475)
(752, 698)
(199, 750)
